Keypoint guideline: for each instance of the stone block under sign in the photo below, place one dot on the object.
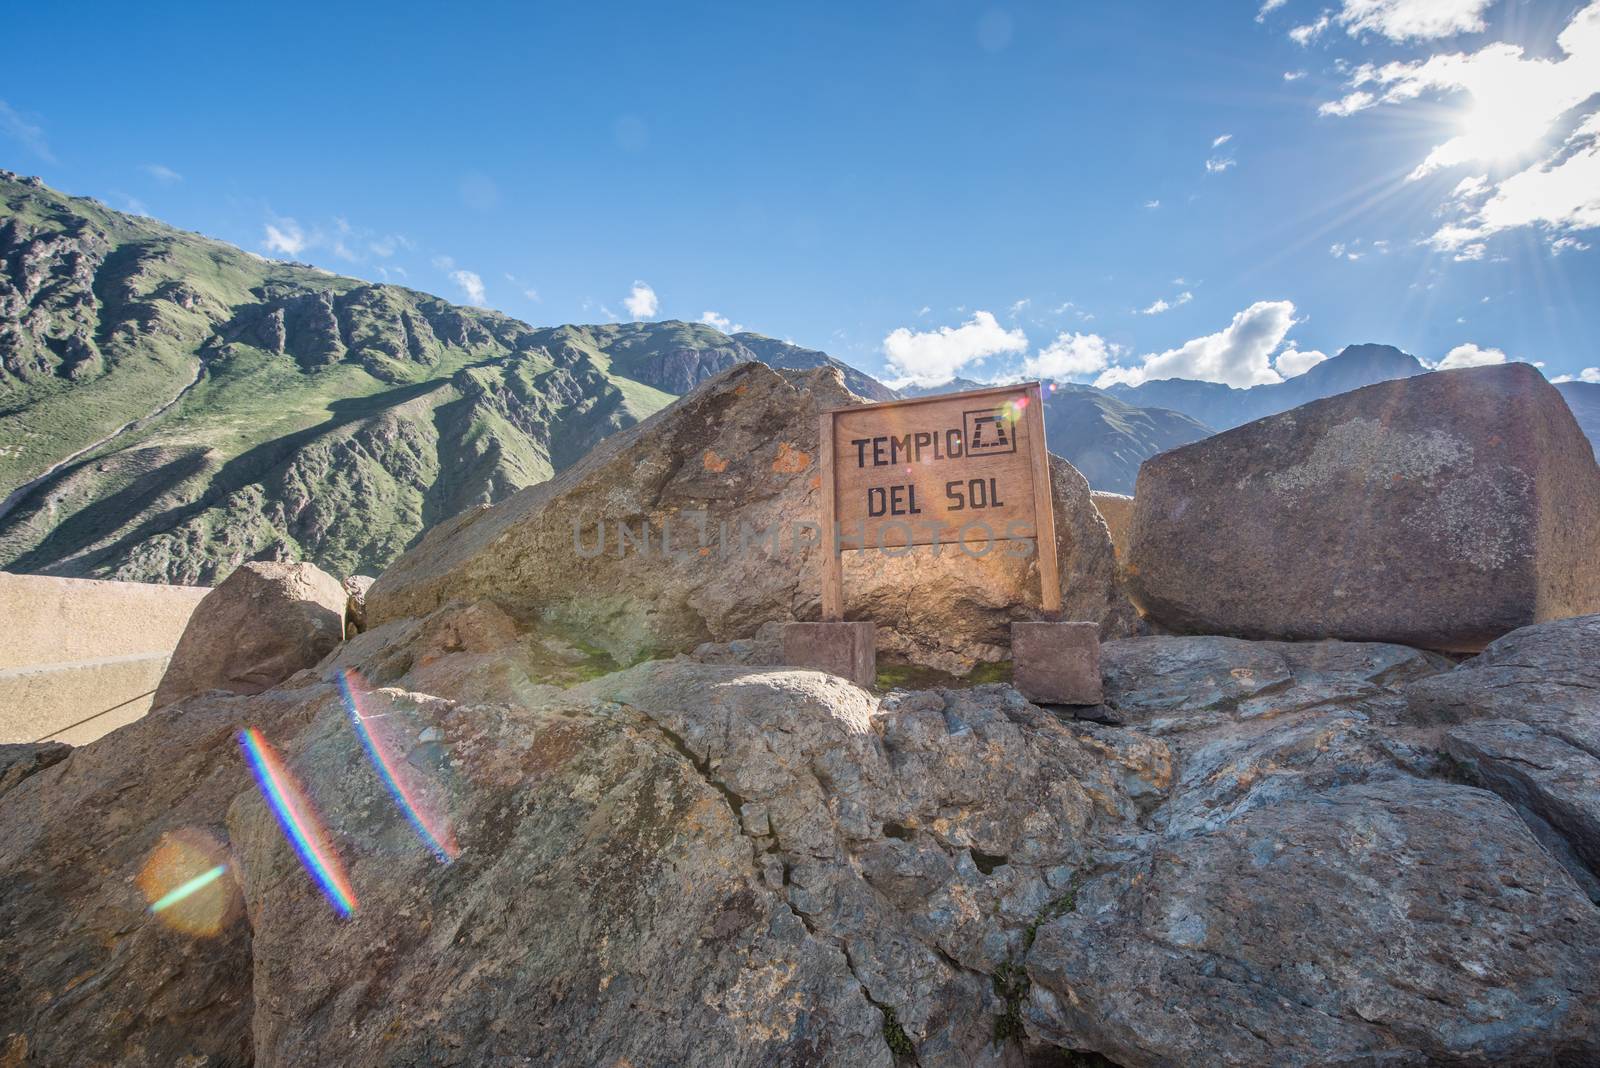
(848, 650)
(1057, 663)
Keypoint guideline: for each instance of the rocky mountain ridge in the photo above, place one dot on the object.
(1223, 407)
(171, 406)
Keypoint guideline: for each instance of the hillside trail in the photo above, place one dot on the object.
(18, 495)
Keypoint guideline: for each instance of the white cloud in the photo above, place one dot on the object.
(933, 357)
(1471, 188)
(1158, 306)
(721, 322)
(1473, 251)
(1588, 374)
(26, 132)
(1152, 204)
(385, 246)
(1237, 355)
(1469, 355)
(285, 236)
(1018, 306)
(133, 205)
(1304, 35)
(1220, 140)
(1293, 75)
(533, 295)
(341, 232)
(1218, 165)
(161, 173)
(1268, 7)
(1563, 197)
(1070, 356)
(1292, 361)
(1401, 20)
(1512, 104)
(641, 301)
(1568, 244)
(471, 285)
(1347, 105)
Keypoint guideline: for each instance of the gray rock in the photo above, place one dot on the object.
(355, 606)
(1440, 511)
(736, 456)
(694, 861)
(1527, 726)
(1549, 671)
(762, 650)
(1165, 684)
(1402, 922)
(605, 907)
(18, 761)
(265, 622)
(88, 975)
(1545, 775)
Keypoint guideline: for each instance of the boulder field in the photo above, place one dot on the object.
(1256, 852)
(464, 837)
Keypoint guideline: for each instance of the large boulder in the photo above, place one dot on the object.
(265, 622)
(734, 459)
(1440, 511)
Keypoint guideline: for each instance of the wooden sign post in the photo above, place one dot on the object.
(945, 470)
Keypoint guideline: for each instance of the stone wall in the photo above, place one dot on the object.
(80, 657)
(1117, 510)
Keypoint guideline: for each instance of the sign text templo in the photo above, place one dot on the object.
(932, 471)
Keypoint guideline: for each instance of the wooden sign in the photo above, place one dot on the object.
(949, 470)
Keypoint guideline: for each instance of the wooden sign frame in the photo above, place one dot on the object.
(1038, 466)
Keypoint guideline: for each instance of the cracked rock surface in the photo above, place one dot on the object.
(1275, 853)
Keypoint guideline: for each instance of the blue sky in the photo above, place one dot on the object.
(1103, 192)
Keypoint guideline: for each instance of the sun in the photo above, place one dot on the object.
(1497, 130)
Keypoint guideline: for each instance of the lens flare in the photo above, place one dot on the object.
(299, 825)
(398, 777)
(193, 886)
(184, 882)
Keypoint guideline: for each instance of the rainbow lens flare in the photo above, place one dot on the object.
(183, 881)
(299, 825)
(399, 777)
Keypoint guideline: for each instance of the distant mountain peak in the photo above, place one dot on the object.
(1369, 359)
(1220, 406)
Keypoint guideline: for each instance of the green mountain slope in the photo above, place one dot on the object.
(1106, 438)
(171, 406)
